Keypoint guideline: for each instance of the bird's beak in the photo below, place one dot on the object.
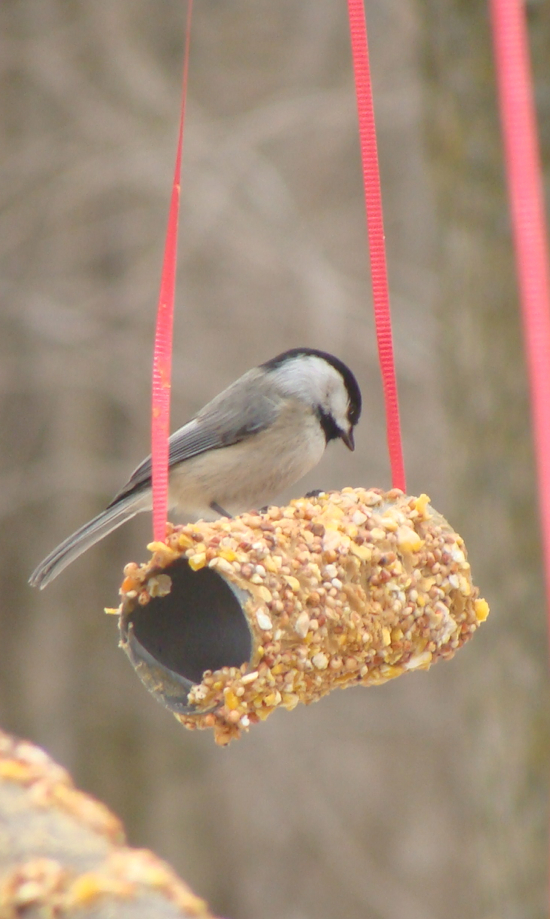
(347, 437)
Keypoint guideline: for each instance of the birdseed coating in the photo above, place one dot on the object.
(345, 588)
(63, 854)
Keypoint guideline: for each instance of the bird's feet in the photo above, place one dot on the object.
(219, 510)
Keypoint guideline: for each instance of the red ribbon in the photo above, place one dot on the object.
(375, 232)
(517, 110)
(162, 358)
(163, 339)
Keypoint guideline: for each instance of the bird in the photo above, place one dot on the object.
(254, 439)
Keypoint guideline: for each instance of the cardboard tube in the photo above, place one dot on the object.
(233, 619)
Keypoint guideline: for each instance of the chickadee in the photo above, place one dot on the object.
(254, 439)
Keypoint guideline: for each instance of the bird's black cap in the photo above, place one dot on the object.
(354, 393)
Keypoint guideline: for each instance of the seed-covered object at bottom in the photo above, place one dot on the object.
(232, 619)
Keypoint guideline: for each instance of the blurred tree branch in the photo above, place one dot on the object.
(493, 480)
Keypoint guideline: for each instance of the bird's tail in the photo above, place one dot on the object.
(86, 536)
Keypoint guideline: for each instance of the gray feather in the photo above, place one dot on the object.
(215, 427)
(85, 537)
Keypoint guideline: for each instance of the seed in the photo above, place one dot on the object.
(160, 585)
(249, 677)
(301, 626)
(481, 608)
(198, 560)
(378, 534)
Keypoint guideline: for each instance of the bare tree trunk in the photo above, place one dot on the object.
(492, 476)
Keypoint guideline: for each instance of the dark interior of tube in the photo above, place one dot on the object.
(198, 626)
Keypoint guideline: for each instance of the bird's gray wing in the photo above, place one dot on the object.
(214, 427)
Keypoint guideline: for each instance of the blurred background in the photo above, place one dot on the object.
(421, 799)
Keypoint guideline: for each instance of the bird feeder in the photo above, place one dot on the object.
(232, 619)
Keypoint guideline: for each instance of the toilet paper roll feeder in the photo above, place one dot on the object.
(233, 619)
